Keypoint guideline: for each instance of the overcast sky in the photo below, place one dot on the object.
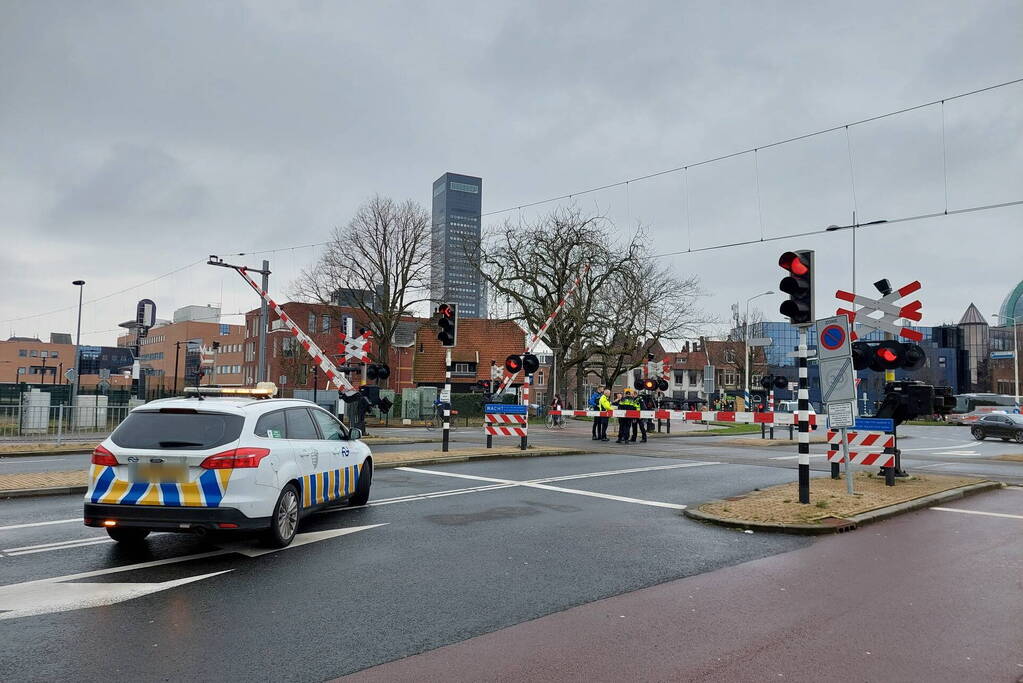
(139, 137)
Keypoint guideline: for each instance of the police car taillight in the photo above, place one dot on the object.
(101, 456)
(235, 458)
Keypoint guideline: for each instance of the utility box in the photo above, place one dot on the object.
(35, 412)
(90, 412)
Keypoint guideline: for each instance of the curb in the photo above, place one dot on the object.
(436, 460)
(838, 525)
(32, 454)
(49, 491)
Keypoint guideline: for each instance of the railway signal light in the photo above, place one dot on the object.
(447, 324)
(530, 363)
(774, 381)
(513, 364)
(649, 384)
(887, 355)
(798, 284)
(378, 371)
(662, 384)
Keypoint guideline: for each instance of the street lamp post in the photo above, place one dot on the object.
(78, 343)
(1015, 354)
(745, 349)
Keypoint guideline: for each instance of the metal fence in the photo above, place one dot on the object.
(60, 423)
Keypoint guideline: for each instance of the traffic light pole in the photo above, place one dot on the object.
(446, 404)
(803, 416)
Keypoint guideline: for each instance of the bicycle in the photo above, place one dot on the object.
(436, 421)
(554, 421)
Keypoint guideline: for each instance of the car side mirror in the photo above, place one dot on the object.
(355, 434)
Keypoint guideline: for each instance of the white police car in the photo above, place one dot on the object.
(224, 459)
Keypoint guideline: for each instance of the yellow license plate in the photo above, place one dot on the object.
(160, 473)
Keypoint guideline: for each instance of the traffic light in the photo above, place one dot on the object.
(530, 364)
(378, 371)
(649, 384)
(484, 384)
(887, 355)
(662, 384)
(798, 284)
(774, 381)
(513, 364)
(638, 383)
(447, 324)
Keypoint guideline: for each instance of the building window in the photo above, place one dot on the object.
(312, 323)
(23, 353)
(465, 187)
(33, 353)
(325, 323)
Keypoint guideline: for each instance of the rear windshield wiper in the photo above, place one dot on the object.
(177, 444)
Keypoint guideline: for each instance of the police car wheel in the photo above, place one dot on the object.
(127, 535)
(284, 521)
(361, 495)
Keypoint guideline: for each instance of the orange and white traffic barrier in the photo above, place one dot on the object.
(865, 448)
(693, 416)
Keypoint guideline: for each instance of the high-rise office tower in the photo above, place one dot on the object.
(454, 278)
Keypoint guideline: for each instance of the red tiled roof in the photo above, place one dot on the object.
(480, 340)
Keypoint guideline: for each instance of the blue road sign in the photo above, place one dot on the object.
(832, 337)
(875, 424)
(505, 408)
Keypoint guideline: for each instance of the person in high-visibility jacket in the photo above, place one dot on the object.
(603, 403)
(628, 402)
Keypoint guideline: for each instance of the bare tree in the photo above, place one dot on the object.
(533, 266)
(379, 262)
(644, 303)
(741, 325)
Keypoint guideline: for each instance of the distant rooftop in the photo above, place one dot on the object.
(972, 316)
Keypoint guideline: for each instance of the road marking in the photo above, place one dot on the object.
(939, 448)
(30, 550)
(543, 483)
(796, 457)
(978, 512)
(956, 453)
(54, 521)
(65, 593)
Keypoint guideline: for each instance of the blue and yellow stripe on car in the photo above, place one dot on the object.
(206, 491)
(322, 487)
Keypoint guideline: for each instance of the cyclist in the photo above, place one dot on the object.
(556, 405)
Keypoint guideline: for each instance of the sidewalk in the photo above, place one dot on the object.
(64, 482)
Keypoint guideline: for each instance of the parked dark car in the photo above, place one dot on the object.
(1002, 426)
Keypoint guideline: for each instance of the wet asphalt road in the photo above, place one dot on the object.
(461, 551)
(438, 571)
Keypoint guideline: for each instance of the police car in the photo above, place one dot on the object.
(224, 458)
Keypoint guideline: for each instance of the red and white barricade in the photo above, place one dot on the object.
(865, 448)
(694, 416)
(505, 425)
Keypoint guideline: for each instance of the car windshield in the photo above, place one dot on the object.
(177, 430)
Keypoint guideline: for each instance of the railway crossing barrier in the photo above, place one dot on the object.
(865, 447)
(504, 419)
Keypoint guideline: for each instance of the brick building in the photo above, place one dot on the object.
(175, 347)
(36, 362)
(416, 357)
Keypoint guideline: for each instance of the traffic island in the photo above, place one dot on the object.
(831, 509)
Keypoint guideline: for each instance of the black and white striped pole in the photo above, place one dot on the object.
(803, 416)
(446, 400)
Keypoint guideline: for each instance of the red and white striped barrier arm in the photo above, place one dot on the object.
(535, 339)
(692, 416)
(889, 310)
(329, 369)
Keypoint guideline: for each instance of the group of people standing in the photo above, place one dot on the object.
(628, 427)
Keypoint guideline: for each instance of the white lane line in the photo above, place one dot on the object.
(95, 541)
(32, 462)
(48, 545)
(978, 512)
(940, 448)
(540, 483)
(956, 453)
(52, 521)
(796, 457)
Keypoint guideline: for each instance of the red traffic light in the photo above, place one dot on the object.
(794, 263)
(887, 355)
(446, 311)
(513, 364)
